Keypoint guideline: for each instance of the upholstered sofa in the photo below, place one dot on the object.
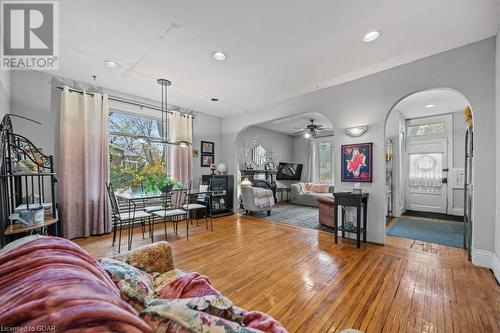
(53, 284)
(306, 194)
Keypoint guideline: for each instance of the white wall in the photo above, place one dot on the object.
(206, 128)
(496, 256)
(32, 96)
(4, 93)
(366, 101)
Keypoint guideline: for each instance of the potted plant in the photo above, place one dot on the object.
(160, 181)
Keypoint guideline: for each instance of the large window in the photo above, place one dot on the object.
(132, 151)
(325, 162)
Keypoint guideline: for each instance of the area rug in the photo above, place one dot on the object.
(301, 216)
(440, 232)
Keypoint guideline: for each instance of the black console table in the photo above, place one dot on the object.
(350, 199)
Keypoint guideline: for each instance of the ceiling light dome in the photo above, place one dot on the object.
(430, 106)
(219, 56)
(371, 36)
(111, 64)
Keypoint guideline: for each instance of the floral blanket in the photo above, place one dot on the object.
(196, 285)
(51, 284)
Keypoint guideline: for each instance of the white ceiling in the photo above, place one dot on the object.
(276, 49)
(445, 101)
(291, 125)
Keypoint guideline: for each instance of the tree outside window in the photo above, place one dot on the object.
(133, 152)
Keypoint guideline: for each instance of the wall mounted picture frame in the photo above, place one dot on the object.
(207, 160)
(357, 163)
(269, 166)
(207, 147)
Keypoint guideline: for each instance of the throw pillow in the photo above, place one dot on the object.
(320, 188)
(135, 285)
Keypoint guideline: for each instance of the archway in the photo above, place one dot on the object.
(429, 168)
(284, 152)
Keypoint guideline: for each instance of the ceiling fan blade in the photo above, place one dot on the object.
(301, 132)
(324, 134)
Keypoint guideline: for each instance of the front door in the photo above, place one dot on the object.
(426, 170)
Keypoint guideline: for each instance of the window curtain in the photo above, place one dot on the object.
(425, 170)
(180, 163)
(83, 164)
(312, 162)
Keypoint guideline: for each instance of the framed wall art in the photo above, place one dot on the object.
(357, 163)
(207, 160)
(207, 147)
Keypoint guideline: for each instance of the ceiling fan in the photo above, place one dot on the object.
(313, 130)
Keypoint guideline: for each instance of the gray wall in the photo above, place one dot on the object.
(367, 101)
(4, 93)
(301, 154)
(33, 97)
(458, 139)
(280, 144)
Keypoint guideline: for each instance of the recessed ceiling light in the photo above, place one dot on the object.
(371, 36)
(214, 99)
(430, 106)
(111, 64)
(218, 55)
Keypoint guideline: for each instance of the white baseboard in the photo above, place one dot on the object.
(495, 266)
(482, 258)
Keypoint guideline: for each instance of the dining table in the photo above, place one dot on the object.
(132, 198)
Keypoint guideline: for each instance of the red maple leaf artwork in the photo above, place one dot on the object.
(356, 162)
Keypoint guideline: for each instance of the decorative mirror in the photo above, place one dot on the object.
(258, 156)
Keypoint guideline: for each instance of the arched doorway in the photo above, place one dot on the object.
(428, 156)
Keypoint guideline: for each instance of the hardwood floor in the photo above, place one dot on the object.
(301, 278)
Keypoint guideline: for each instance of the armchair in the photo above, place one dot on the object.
(257, 199)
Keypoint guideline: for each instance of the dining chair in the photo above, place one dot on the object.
(202, 203)
(128, 218)
(173, 211)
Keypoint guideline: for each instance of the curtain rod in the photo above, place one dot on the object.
(128, 101)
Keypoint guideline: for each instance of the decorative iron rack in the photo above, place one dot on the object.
(27, 178)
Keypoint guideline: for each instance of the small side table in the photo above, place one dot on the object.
(350, 199)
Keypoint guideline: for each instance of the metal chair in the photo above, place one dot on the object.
(202, 203)
(173, 211)
(128, 218)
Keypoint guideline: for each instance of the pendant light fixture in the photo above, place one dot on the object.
(164, 83)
